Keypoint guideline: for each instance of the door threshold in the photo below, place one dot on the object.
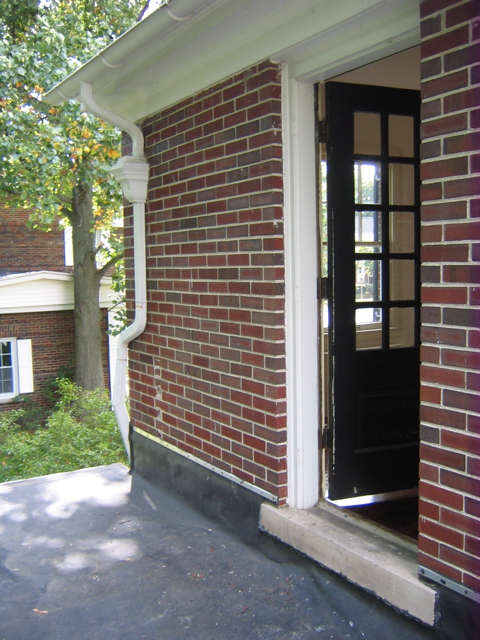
(375, 498)
(371, 557)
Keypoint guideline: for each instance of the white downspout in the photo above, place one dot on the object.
(132, 173)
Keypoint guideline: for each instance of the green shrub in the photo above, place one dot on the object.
(81, 432)
(31, 416)
(51, 390)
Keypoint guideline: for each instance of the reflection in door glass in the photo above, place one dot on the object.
(369, 323)
(401, 136)
(402, 327)
(367, 140)
(367, 182)
(368, 231)
(402, 231)
(402, 279)
(402, 184)
(368, 277)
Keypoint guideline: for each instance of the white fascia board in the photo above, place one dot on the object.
(106, 295)
(41, 291)
(169, 61)
(35, 292)
(30, 276)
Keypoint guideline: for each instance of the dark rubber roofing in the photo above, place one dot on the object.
(86, 555)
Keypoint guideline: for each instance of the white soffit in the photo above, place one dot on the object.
(41, 291)
(161, 61)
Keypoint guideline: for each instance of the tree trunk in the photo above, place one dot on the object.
(86, 281)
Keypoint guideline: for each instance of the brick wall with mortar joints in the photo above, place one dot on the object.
(208, 374)
(449, 540)
(24, 249)
(53, 344)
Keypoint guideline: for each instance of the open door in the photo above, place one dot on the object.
(373, 288)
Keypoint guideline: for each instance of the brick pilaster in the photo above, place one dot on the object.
(449, 541)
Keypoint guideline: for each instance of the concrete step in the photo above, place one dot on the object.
(375, 559)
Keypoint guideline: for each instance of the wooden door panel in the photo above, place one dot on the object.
(374, 246)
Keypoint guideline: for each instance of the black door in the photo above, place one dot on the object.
(373, 212)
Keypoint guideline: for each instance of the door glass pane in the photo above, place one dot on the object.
(367, 182)
(400, 136)
(402, 279)
(402, 185)
(368, 231)
(369, 328)
(402, 327)
(402, 231)
(368, 278)
(366, 133)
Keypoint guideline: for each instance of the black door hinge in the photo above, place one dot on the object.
(327, 438)
(322, 131)
(323, 288)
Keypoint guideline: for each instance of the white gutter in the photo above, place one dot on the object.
(132, 173)
(142, 36)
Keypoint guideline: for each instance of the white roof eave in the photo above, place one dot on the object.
(39, 291)
(162, 60)
(130, 48)
(30, 276)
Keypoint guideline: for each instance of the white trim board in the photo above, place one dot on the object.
(301, 317)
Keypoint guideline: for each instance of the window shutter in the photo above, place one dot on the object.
(25, 366)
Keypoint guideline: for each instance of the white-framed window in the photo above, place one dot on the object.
(16, 368)
(101, 238)
(68, 245)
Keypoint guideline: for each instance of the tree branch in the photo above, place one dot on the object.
(65, 200)
(113, 261)
(68, 204)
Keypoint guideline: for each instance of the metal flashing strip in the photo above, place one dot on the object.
(453, 585)
(210, 467)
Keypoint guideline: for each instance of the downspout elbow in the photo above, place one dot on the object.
(89, 105)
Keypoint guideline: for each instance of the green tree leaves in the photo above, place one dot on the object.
(45, 151)
(55, 160)
(17, 17)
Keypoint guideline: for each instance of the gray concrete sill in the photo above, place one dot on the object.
(381, 562)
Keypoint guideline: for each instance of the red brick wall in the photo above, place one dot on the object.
(449, 541)
(52, 345)
(208, 374)
(52, 335)
(24, 249)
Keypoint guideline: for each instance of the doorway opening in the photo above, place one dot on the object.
(370, 262)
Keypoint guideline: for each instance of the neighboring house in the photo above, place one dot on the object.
(245, 393)
(36, 310)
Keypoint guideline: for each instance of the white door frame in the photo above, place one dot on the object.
(301, 231)
(301, 256)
